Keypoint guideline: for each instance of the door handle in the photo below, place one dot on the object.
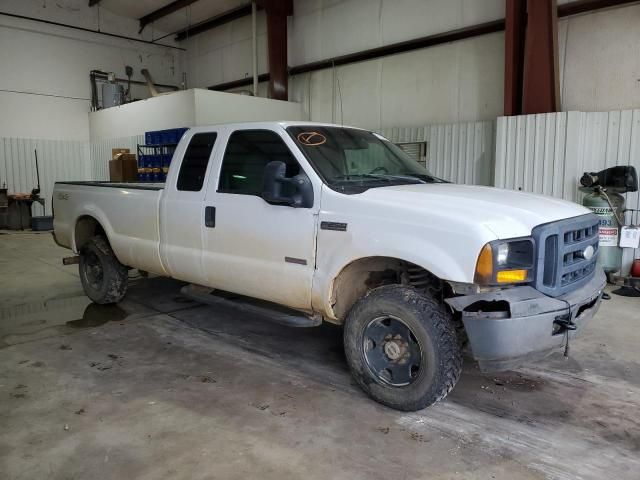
(210, 217)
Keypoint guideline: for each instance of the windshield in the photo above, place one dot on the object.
(349, 159)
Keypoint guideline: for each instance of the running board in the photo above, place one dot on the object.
(271, 311)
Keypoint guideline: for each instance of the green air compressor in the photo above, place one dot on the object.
(604, 198)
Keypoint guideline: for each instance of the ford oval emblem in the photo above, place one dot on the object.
(588, 252)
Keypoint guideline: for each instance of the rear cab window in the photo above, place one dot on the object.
(195, 161)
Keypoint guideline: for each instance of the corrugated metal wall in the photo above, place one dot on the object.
(101, 153)
(57, 161)
(458, 152)
(548, 153)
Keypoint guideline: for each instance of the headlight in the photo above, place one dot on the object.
(505, 261)
(502, 254)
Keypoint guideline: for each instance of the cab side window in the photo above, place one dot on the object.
(247, 154)
(195, 161)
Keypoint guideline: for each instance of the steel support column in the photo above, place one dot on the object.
(277, 12)
(514, 35)
(540, 86)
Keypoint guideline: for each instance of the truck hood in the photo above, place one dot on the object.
(506, 213)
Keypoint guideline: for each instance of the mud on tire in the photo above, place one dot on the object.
(402, 347)
(103, 277)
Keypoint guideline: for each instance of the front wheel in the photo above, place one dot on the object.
(402, 348)
(103, 277)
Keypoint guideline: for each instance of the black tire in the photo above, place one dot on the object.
(430, 328)
(103, 277)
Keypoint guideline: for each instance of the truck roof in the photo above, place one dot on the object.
(281, 123)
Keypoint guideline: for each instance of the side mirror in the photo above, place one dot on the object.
(277, 189)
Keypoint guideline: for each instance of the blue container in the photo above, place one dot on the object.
(148, 137)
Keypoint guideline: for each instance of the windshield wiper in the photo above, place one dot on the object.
(408, 176)
(375, 176)
(359, 176)
(426, 178)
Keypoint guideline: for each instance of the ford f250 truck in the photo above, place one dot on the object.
(337, 224)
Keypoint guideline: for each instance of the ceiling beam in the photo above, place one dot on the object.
(162, 12)
(216, 21)
(583, 6)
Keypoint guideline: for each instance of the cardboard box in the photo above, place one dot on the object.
(117, 151)
(123, 168)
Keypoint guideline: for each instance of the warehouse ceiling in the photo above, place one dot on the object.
(196, 12)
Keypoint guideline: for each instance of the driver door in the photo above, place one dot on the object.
(252, 247)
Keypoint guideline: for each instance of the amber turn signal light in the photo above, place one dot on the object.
(511, 276)
(484, 266)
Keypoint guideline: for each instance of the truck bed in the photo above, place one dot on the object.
(128, 213)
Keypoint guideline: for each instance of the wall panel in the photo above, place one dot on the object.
(57, 161)
(548, 153)
(457, 152)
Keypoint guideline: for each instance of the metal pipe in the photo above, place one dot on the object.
(254, 40)
(74, 260)
(58, 24)
(152, 87)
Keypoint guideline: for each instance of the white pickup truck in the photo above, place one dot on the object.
(337, 224)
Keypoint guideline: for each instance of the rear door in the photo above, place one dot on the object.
(256, 248)
(182, 207)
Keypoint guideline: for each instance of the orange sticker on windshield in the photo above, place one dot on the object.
(312, 139)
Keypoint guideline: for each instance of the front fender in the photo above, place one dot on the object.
(337, 250)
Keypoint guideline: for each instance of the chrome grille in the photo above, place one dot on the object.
(561, 266)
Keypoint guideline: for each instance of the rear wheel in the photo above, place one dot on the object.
(402, 348)
(103, 277)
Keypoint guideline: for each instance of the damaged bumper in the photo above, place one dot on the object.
(510, 327)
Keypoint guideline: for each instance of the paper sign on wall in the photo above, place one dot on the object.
(630, 237)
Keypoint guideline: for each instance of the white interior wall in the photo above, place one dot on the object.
(321, 29)
(45, 68)
(225, 53)
(444, 84)
(599, 56)
(456, 82)
(173, 110)
(188, 108)
(448, 83)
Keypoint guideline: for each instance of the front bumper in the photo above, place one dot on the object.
(517, 325)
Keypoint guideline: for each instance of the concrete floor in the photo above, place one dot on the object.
(162, 387)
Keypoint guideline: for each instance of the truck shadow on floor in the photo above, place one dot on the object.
(318, 352)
